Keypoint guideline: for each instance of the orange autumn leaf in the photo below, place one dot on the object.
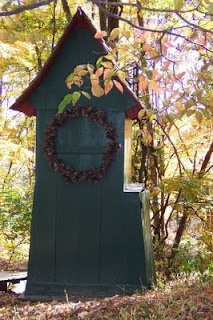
(94, 80)
(166, 64)
(100, 34)
(108, 87)
(147, 47)
(143, 83)
(118, 86)
(69, 85)
(201, 41)
(108, 74)
(97, 91)
(99, 72)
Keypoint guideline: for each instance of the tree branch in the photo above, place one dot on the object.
(66, 9)
(164, 31)
(206, 159)
(20, 9)
(139, 6)
(192, 24)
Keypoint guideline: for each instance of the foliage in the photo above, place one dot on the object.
(15, 220)
(164, 52)
(182, 298)
(170, 70)
(26, 41)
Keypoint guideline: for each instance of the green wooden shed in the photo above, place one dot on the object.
(88, 238)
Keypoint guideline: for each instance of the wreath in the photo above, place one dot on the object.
(70, 174)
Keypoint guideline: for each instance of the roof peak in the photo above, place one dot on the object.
(79, 21)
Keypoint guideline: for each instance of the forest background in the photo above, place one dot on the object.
(163, 49)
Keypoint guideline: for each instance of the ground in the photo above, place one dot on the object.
(183, 298)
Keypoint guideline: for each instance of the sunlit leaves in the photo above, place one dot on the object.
(100, 34)
(97, 91)
(118, 86)
(178, 4)
(86, 94)
(143, 82)
(141, 114)
(108, 87)
(99, 72)
(107, 64)
(199, 116)
(108, 73)
(68, 99)
(114, 34)
(147, 48)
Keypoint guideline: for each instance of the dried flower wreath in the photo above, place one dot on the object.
(71, 175)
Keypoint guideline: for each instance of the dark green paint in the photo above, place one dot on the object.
(87, 238)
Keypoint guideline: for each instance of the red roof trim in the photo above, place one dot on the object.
(80, 20)
(132, 113)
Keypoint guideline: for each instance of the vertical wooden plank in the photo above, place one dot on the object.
(42, 252)
(122, 251)
(127, 151)
(78, 205)
(77, 233)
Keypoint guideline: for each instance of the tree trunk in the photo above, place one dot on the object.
(66, 10)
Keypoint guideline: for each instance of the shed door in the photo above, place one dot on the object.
(80, 143)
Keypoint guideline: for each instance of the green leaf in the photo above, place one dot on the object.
(98, 62)
(181, 114)
(87, 95)
(190, 113)
(206, 114)
(190, 103)
(199, 116)
(67, 99)
(178, 4)
(151, 118)
(70, 77)
(210, 8)
(75, 97)
(170, 118)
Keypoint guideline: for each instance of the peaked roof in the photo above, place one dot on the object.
(79, 21)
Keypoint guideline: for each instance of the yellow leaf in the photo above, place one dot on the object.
(140, 132)
(100, 34)
(178, 4)
(110, 56)
(114, 34)
(107, 64)
(118, 86)
(80, 70)
(108, 87)
(123, 74)
(153, 85)
(141, 114)
(126, 33)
